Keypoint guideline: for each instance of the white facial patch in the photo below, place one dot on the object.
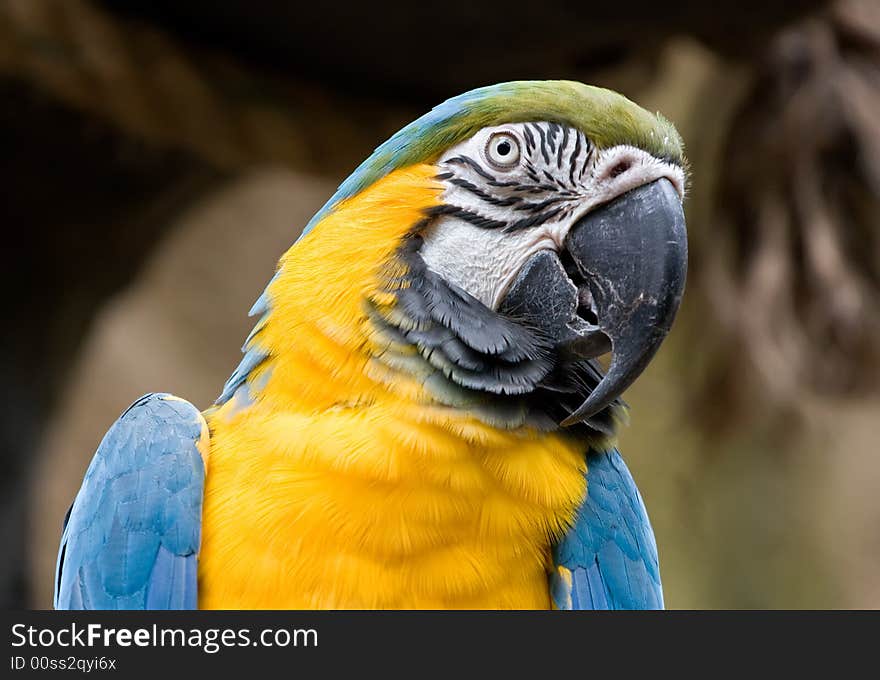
(482, 261)
(513, 190)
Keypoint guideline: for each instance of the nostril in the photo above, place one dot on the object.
(619, 168)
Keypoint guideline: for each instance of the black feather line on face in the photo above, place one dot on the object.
(468, 216)
(573, 159)
(479, 193)
(543, 137)
(473, 165)
(587, 158)
(498, 193)
(531, 171)
(562, 147)
(536, 207)
(533, 220)
(530, 141)
(552, 131)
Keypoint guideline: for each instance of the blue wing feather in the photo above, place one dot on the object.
(131, 537)
(608, 559)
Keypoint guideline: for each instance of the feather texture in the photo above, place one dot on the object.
(605, 117)
(608, 559)
(132, 535)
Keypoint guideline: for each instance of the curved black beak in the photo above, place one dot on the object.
(617, 287)
(631, 255)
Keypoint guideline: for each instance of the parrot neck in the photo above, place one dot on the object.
(312, 348)
(350, 468)
(353, 317)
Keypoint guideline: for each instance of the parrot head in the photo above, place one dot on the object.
(509, 237)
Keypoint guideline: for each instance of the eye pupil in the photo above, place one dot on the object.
(502, 151)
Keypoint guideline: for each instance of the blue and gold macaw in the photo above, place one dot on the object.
(419, 420)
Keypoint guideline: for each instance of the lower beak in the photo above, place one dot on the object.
(625, 279)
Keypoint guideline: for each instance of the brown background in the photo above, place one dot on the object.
(159, 157)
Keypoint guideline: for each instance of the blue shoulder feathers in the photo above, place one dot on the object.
(131, 538)
(608, 560)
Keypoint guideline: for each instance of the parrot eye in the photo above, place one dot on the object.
(502, 150)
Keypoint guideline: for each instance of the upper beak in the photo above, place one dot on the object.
(630, 262)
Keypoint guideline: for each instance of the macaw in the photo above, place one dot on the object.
(419, 419)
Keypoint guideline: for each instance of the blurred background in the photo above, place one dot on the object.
(158, 157)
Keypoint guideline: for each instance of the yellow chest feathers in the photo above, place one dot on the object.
(344, 484)
(385, 506)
